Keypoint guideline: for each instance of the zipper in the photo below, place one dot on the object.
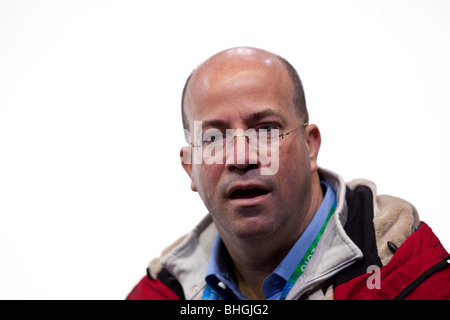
(438, 266)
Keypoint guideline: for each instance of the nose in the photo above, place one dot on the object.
(242, 153)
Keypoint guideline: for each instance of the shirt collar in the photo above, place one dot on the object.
(219, 276)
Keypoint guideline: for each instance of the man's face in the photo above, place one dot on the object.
(242, 93)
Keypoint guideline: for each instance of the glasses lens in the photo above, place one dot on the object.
(268, 139)
(213, 138)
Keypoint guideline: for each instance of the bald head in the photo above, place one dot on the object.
(232, 64)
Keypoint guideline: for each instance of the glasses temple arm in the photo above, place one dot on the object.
(288, 133)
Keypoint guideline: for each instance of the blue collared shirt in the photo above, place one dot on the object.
(219, 273)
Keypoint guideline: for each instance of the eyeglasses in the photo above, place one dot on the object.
(262, 137)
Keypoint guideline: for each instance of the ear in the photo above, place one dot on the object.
(313, 141)
(186, 162)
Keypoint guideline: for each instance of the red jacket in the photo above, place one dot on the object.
(419, 269)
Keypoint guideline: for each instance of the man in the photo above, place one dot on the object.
(284, 228)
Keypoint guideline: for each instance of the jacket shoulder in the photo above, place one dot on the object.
(158, 284)
(164, 287)
(394, 219)
(181, 266)
(419, 269)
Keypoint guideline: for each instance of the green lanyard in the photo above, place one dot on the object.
(210, 294)
(308, 255)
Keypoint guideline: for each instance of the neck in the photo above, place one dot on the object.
(251, 270)
(255, 260)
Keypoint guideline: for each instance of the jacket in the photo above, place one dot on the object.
(374, 247)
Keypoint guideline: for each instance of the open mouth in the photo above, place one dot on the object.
(248, 193)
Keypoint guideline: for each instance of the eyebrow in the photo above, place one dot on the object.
(215, 124)
(266, 113)
(254, 117)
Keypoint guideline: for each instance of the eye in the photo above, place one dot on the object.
(268, 128)
(211, 136)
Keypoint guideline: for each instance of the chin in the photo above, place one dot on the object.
(253, 228)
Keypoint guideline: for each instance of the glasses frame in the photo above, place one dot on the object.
(281, 135)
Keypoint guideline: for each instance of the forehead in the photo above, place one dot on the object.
(238, 83)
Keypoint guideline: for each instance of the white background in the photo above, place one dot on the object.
(91, 186)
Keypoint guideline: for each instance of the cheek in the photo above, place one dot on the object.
(206, 178)
(295, 156)
(295, 169)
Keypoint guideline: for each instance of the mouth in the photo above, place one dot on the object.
(250, 194)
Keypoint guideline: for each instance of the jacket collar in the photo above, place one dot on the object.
(335, 250)
(188, 261)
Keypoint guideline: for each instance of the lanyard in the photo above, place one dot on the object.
(210, 294)
(308, 255)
